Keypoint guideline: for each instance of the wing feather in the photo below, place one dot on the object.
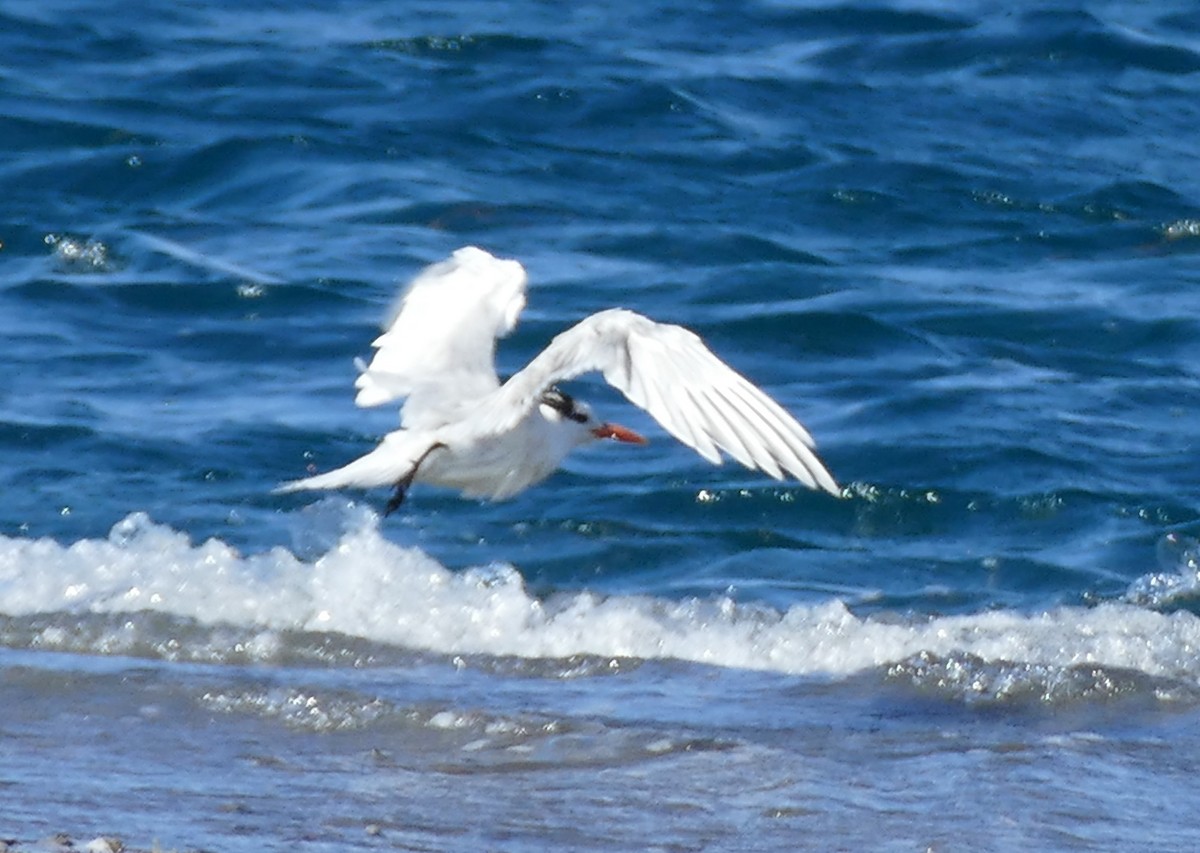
(698, 439)
(438, 346)
(713, 410)
(773, 414)
(668, 371)
(743, 444)
(793, 442)
(645, 390)
(733, 433)
(725, 433)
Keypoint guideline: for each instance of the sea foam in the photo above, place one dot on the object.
(365, 586)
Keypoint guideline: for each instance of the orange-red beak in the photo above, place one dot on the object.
(619, 433)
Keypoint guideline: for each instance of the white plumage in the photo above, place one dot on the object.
(462, 429)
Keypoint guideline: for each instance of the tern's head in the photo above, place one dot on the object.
(559, 407)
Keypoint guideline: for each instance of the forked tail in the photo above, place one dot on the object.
(394, 460)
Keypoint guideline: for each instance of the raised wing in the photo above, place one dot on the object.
(439, 344)
(668, 371)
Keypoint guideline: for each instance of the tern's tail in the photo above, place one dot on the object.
(394, 459)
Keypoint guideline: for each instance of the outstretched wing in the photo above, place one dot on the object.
(668, 371)
(438, 347)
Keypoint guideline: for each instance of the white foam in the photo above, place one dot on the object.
(1179, 580)
(365, 586)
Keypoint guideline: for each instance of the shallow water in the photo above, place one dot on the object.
(956, 241)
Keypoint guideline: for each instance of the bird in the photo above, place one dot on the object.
(462, 428)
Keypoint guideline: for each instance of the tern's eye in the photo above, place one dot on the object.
(564, 404)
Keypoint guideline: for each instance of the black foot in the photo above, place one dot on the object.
(398, 497)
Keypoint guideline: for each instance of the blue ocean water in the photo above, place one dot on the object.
(958, 240)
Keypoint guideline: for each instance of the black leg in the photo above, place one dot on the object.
(407, 480)
(397, 497)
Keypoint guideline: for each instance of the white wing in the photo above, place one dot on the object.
(668, 371)
(438, 348)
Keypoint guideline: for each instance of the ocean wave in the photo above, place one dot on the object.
(363, 588)
(1177, 585)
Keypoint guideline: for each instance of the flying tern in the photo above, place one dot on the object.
(461, 428)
